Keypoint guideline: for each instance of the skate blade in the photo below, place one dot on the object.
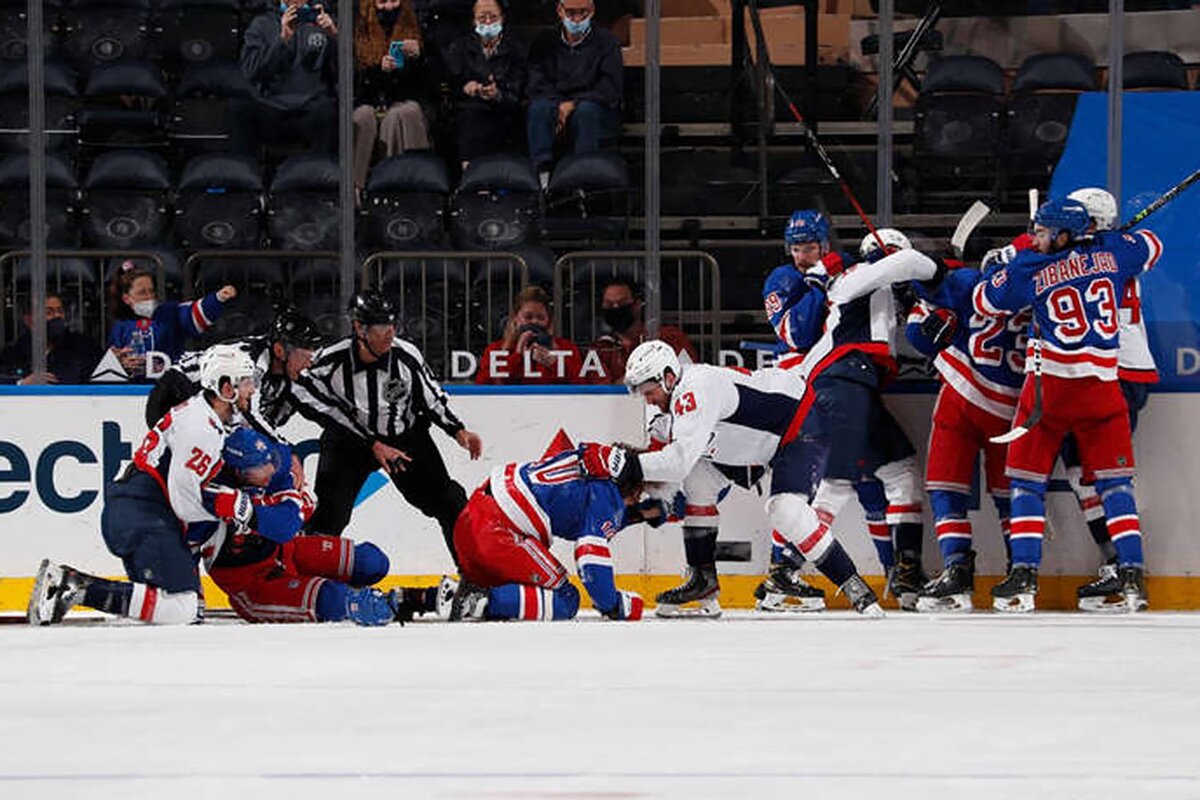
(873, 611)
(952, 604)
(907, 601)
(1110, 604)
(35, 612)
(1020, 604)
(784, 604)
(706, 609)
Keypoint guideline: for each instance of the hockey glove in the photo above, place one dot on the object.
(370, 607)
(233, 505)
(816, 278)
(939, 327)
(836, 263)
(629, 607)
(611, 462)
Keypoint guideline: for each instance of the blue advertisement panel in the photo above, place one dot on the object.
(1161, 131)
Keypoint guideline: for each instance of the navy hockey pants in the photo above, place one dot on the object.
(140, 528)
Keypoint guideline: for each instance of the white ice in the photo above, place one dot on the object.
(965, 708)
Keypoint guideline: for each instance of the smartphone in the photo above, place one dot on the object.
(306, 13)
(396, 51)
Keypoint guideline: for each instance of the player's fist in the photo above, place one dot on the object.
(610, 462)
(939, 327)
(835, 263)
(629, 607)
(234, 505)
(816, 278)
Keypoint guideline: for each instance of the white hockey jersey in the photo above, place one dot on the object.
(1135, 362)
(729, 416)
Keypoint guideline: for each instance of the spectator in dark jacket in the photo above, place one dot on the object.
(574, 85)
(70, 355)
(487, 73)
(290, 58)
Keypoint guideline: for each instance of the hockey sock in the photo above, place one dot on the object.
(836, 564)
(1098, 528)
(699, 545)
(371, 565)
(1003, 506)
(951, 523)
(874, 504)
(151, 604)
(111, 597)
(331, 601)
(1028, 522)
(899, 480)
(522, 601)
(1124, 528)
(784, 552)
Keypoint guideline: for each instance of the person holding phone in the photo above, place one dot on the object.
(392, 83)
(486, 71)
(290, 58)
(529, 353)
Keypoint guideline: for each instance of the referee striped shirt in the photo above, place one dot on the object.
(382, 400)
(271, 405)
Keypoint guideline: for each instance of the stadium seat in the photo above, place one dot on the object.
(497, 204)
(432, 295)
(1154, 69)
(108, 31)
(61, 197)
(1042, 105)
(62, 101)
(303, 208)
(74, 279)
(589, 197)
(220, 203)
(405, 203)
(199, 118)
(14, 30)
(125, 196)
(200, 31)
(123, 104)
(314, 291)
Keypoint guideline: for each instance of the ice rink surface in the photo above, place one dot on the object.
(983, 706)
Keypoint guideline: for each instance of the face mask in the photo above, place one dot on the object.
(145, 308)
(577, 28)
(489, 31)
(618, 318)
(56, 329)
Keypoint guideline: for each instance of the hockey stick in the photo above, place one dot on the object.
(817, 147)
(1035, 413)
(1170, 195)
(967, 225)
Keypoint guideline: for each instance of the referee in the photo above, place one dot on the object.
(377, 399)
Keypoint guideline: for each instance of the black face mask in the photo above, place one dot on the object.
(618, 318)
(56, 329)
(387, 19)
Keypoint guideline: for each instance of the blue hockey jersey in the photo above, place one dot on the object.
(795, 309)
(1075, 295)
(549, 498)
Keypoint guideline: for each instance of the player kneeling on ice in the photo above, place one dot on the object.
(163, 509)
(273, 575)
(503, 541)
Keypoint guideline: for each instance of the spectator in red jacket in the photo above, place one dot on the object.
(529, 353)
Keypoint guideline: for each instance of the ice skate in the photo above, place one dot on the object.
(1015, 594)
(905, 581)
(785, 590)
(56, 590)
(1103, 594)
(701, 587)
(950, 591)
(445, 596)
(862, 597)
(1133, 588)
(469, 604)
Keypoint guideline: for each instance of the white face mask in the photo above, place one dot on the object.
(145, 308)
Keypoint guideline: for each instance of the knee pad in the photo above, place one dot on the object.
(371, 565)
(172, 608)
(900, 481)
(832, 495)
(793, 517)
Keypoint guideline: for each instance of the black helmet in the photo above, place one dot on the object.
(294, 329)
(373, 308)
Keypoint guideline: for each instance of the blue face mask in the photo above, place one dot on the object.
(577, 28)
(490, 30)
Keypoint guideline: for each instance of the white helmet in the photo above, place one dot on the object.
(224, 361)
(1101, 206)
(892, 239)
(650, 361)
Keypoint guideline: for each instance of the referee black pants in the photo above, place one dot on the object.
(346, 462)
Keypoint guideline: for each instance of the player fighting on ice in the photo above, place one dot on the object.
(503, 539)
(163, 509)
(1074, 286)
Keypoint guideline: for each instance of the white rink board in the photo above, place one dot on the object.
(517, 427)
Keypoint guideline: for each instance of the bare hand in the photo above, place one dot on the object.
(325, 22)
(471, 88)
(226, 293)
(411, 48)
(287, 25)
(525, 341)
(390, 458)
(541, 355)
(35, 378)
(489, 91)
(388, 64)
(565, 109)
(471, 442)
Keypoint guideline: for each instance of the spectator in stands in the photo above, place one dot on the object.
(289, 56)
(621, 304)
(528, 353)
(70, 356)
(392, 84)
(486, 71)
(141, 323)
(575, 84)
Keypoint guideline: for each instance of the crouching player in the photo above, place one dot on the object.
(273, 575)
(503, 541)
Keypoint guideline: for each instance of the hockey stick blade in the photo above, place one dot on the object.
(967, 225)
(1004, 438)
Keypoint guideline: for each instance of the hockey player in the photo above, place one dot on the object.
(981, 361)
(164, 509)
(1074, 289)
(847, 368)
(272, 575)
(503, 539)
(738, 419)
